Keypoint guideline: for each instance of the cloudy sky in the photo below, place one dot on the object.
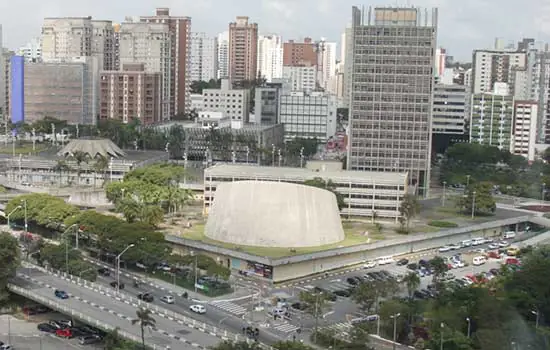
(463, 24)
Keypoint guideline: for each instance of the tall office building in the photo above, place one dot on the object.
(270, 57)
(180, 58)
(3, 111)
(204, 57)
(5, 79)
(326, 63)
(391, 81)
(243, 50)
(32, 51)
(223, 55)
(150, 43)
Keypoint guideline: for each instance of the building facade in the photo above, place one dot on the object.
(391, 92)
(243, 50)
(5, 80)
(223, 55)
(130, 93)
(491, 120)
(179, 28)
(365, 193)
(450, 109)
(17, 89)
(301, 78)
(270, 57)
(267, 103)
(32, 51)
(204, 57)
(233, 103)
(309, 116)
(524, 129)
(495, 66)
(326, 63)
(3, 76)
(299, 54)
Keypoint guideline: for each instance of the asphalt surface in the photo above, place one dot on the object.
(44, 342)
(109, 310)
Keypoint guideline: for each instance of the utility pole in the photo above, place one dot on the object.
(196, 269)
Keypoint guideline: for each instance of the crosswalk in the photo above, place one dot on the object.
(341, 328)
(230, 307)
(337, 285)
(286, 328)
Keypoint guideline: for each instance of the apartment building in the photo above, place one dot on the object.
(223, 55)
(131, 93)
(450, 109)
(150, 43)
(232, 103)
(179, 28)
(326, 63)
(204, 57)
(243, 50)
(270, 57)
(524, 129)
(301, 78)
(5, 81)
(491, 119)
(3, 76)
(299, 54)
(32, 51)
(495, 66)
(391, 86)
(308, 115)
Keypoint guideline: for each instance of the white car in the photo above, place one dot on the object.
(503, 244)
(494, 246)
(199, 309)
(455, 246)
(458, 264)
(6, 347)
(369, 264)
(444, 249)
(168, 299)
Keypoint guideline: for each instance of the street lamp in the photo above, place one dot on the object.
(537, 314)
(11, 212)
(473, 204)
(302, 157)
(247, 153)
(272, 154)
(441, 335)
(542, 195)
(467, 181)
(279, 154)
(26, 221)
(444, 188)
(469, 326)
(118, 266)
(394, 317)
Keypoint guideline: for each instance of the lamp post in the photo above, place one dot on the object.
(302, 157)
(279, 154)
(467, 181)
(272, 154)
(473, 204)
(118, 266)
(185, 167)
(233, 157)
(537, 314)
(111, 168)
(441, 335)
(444, 188)
(542, 194)
(11, 212)
(394, 317)
(26, 221)
(247, 153)
(469, 326)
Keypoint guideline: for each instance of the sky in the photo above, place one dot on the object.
(464, 25)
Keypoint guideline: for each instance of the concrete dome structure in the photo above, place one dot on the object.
(93, 148)
(274, 214)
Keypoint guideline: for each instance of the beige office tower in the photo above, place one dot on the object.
(64, 38)
(179, 28)
(3, 81)
(392, 62)
(243, 50)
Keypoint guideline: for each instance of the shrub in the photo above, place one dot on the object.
(442, 224)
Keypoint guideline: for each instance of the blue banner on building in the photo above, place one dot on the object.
(17, 64)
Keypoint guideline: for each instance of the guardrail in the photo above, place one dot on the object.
(78, 315)
(162, 312)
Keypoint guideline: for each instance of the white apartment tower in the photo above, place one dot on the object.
(270, 57)
(3, 111)
(492, 66)
(32, 51)
(301, 78)
(223, 55)
(524, 129)
(327, 63)
(149, 43)
(204, 57)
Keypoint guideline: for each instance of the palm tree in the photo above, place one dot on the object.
(144, 319)
(79, 157)
(412, 281)
(100, 166)
(61, 167)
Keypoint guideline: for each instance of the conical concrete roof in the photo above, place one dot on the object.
(93, 148)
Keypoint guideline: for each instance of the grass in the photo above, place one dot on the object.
(443, 224)
(354, 235)
(24, 148)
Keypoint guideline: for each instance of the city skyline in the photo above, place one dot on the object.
(478, 22)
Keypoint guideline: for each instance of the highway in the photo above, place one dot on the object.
(105, 307)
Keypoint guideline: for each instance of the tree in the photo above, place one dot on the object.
(480, 197)
(316, 304)
(368, 295)
(30, 243)
(61, 167)
(412, 282)
(291, 345)
(9, 256)
(229, 345)
(44, 209)
(439, 267)
(79, 157)
(101, 165)
(329, 186)
(144, 319)
(408, 209)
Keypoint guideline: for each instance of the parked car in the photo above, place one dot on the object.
(64, 333)
(503, 244)
(168, 299)
(148, 297)
(369, 264)
(199, 309)
(402, 262)
(342, 293)
(104, 271)
(512, 251)
(61, 294)
(115, 283)
(454, 246)
(444, 249)
(6, 347)
(352, 281)
(412, 266)
(47, 328)
(35, 310)
(299, 306)
(493, 246)
(493, 255)
(89, 339)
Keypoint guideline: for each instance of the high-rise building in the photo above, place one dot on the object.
(243, 50)
(495, 66)
(180, 58)
(116, 44)
(270, 57)
(3, 111)
(450, 109)
(299, 54)
(204, 57)
(150, 43)
(524, 129)
(301, 78)
(64, 38)
(326, 63)
(223, 55)
(491, 119)
(32, 51)
(5, 80)
(130, 93)
(440, 55)
(391, 91)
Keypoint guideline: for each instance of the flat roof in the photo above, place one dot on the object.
(265, 172)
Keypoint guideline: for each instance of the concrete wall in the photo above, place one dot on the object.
(89, 199)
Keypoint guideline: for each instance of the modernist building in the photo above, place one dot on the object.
(391, 92)
(243, 50)
(204, 57)
(365, 193)
(131, 93)
(491, 120)
(524, 129)
(301, 78)
(299, 54)
(270, 57)
(267, 101)
(233, 103)
(310, 116)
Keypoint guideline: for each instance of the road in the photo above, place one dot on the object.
(112, 311)
(44, 342)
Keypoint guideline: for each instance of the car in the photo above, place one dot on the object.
(60, 324)
(148, 297)
(47, 328)
(168, 299)
(104, 271)
(503, 244)
(61, 294)
(369, 264)
(199, 309)
(79, 332)
(444, 249)
(6, 347)
(299, 306)
(493, 254)
(412, 266)
(423, 263)
(402, 262)
(89, 339)
(454, 246)
(512, 251)
(458, 264)
(494, 272)
(419, 295)
(64, 333)
(352, 281)
(493, 246)
(35, 310)
(342, 293)
(114, 284)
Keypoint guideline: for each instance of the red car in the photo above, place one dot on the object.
(512, 261)
(493, 255)
(64, 333)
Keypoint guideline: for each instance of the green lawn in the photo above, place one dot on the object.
(25, 148)
(354, 236)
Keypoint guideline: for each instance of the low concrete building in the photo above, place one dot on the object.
(233, 103)
(365, 193)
